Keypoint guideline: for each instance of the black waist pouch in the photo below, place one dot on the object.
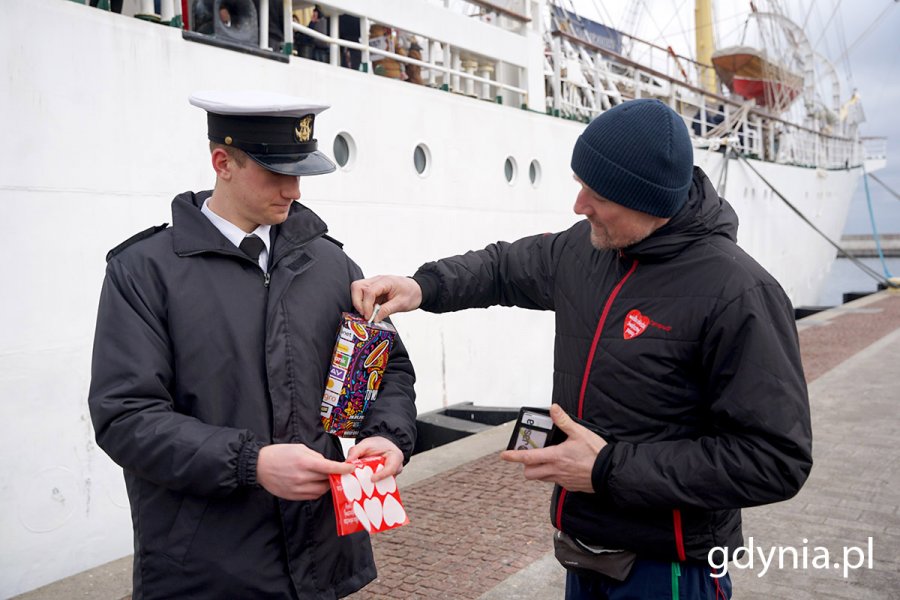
(573, 554)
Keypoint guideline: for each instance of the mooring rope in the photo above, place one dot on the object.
(896, 195)
(884, 267)
(864, 267)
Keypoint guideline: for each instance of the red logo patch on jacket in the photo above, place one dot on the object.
(636, 323)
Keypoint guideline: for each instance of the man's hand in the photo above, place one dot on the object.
(294, 472)
(568, 464)
(379, 446)
(392, 292)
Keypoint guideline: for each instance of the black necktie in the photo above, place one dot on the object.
(252, 246)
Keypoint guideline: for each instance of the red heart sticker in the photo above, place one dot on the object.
(635, 324)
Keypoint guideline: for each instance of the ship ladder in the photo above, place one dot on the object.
(892, 283)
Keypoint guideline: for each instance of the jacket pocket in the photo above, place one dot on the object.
(648, 533)
(184, 527)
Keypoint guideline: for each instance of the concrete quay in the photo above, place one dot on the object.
(479, 531)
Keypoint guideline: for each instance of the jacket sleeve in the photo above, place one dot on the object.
(132, 407)
(758, 448)
(507, 274)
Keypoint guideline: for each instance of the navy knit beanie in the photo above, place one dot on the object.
(637, 154)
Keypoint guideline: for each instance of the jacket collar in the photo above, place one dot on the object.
(193, 233)
(705, 213)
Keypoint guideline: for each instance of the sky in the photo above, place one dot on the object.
(868, 60)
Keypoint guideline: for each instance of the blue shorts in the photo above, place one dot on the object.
(651, 580)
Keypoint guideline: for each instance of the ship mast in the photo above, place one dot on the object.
(703, 37)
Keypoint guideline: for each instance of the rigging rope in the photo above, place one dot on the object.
(878, 20)
(723, 174)
(812, 3)
(864, 267)
(895, 194)
(875, 235)
(827, 23)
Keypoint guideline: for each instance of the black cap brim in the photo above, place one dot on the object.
(312, 163)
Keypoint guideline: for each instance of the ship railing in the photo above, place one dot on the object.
(462, 79)
(608, 78)
(169, 10)
(874, 148)
(800, 146)
(511, 16)
(447, 66)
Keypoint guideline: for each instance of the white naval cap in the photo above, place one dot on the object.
(275, 130)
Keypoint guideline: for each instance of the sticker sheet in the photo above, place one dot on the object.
(360, 504)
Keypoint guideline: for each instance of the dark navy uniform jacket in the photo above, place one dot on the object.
(200, 359)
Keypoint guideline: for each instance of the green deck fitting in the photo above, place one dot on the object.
(151, 18)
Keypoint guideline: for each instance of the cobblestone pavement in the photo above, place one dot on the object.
(829, 339)
(470, 528)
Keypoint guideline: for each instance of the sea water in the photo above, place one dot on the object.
(847, 277)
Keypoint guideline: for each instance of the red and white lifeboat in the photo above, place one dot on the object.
(747, 72)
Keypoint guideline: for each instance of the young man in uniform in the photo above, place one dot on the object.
(214, 337)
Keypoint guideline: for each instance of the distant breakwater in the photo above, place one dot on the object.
(863, 246)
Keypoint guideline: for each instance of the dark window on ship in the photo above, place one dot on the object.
(534, 173)
(344, 150)
(422, 159)
(509, 169)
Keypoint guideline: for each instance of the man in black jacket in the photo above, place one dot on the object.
(213, 342)
(675, 348)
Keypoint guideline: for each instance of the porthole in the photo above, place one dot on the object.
(534, 173)
(422, 159)
(344, 149)
(510, 170)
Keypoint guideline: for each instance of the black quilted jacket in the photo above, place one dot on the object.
(681, 347)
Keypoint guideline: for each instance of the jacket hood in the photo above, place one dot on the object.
(705, 213)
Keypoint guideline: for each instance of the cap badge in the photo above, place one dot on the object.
(303, 131)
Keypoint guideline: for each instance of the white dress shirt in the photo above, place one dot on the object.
(236, 235)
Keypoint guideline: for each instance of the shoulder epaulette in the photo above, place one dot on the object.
(333, 241)
(136, 238)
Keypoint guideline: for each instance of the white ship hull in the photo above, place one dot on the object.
(102, 138)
